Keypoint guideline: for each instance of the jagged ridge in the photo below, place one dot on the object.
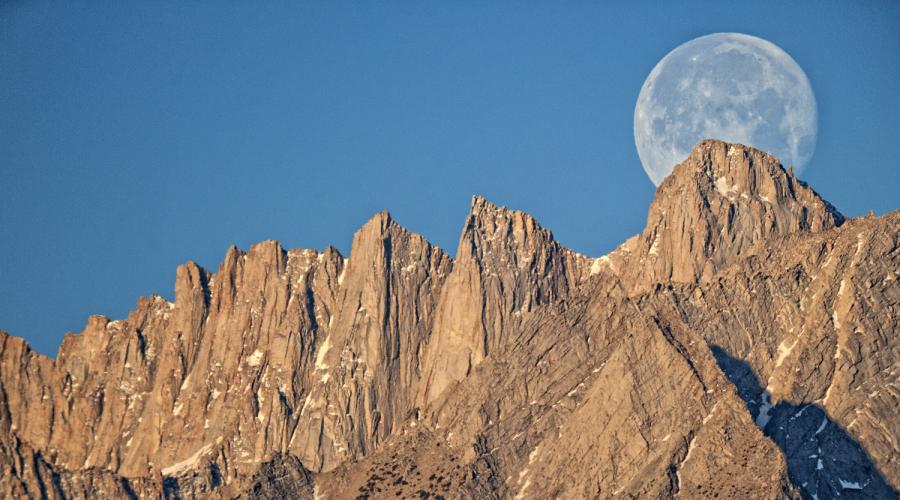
(500, 362)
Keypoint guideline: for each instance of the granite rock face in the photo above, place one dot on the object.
(506, 267)
(367, 368)
(717, 204)
(743, 345)
(820, 374)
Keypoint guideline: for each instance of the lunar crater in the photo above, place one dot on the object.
(727, 86)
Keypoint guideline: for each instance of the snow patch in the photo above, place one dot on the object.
(598, 263)
(305, 403)
(576, 389)
(255, 358)
(710, 415)
(191, 462)
(763, 417)
(320, 356)
(850, 485)
(524, 473)
(654, 248)
(343, 272)
(687, 457)
(783, 352)
(822, 426)
(521, 493)
(724, 188)
(800, 413)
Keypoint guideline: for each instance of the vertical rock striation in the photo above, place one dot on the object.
(742, 345)
(367, 368)
(506, 266)
(717, 204)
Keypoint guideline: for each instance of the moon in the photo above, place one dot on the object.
(727, 86)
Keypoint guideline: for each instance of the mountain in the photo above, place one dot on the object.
(743, 345)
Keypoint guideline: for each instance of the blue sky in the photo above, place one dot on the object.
(135, 136)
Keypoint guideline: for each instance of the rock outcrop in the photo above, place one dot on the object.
(717, 204)
(506, 267)
(742, 345)
(806, 329)
(367, 367)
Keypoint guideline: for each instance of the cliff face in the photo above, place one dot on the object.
(717, 204)
(742, 345)
(210, 380)
(507, 266)
(806, 330)
(367, 367)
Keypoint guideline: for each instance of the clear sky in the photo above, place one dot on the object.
(135, 136)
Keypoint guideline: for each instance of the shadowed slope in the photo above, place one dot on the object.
(824, 461)
(522, 369)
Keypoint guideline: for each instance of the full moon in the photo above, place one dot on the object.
(727, 86)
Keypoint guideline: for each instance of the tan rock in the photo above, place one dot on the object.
(742, 346)
(723, 199)
(367, 368)
(506, 266)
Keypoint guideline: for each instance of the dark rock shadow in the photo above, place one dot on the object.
(171, 488)
(824, 461)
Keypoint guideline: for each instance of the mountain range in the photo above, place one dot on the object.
(743, 345)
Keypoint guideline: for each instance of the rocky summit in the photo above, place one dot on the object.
(743, 345)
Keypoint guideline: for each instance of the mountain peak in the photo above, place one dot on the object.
(738, 171)
(719, 202)
(506, 266)
(489, 224)
(322, 376)
(381, 220)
